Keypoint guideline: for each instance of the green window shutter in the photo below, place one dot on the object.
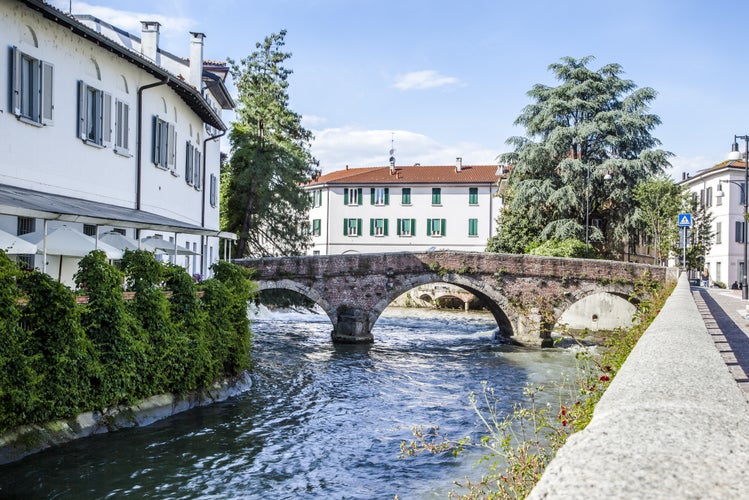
(473, 196)
(387, 196)
(385, 229)
(345, 227)
(406, 196)
(359, 192)
(398, 228)
(413, 227)
(358, 226)
(443, 231)
(436, 196)
(371, 196)
(429, 227)
(371, 227)
(345, 196)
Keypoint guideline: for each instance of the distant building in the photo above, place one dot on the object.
(395, 208)
(103, 130)
(720, 190)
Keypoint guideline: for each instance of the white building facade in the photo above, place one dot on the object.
(397, 209)
(720, 190)
(105, 131)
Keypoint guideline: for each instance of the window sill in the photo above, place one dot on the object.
(29, 121)
(93, 144)
(174, 174)
(123, 152)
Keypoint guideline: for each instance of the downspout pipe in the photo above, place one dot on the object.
(203, 241)
(139, 146)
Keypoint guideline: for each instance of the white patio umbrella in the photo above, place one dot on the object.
(71, 243)
(15, 245)
(122, 242)
(166, 246)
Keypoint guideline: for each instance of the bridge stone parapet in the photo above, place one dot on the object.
(525, 294)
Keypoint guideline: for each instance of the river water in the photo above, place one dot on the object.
(321, 420)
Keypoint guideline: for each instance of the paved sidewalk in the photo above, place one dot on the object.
(725, 316)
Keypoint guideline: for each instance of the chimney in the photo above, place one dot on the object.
(149, 40)
(458, 164)
(392, 165)
(196, 60)
(683, 176)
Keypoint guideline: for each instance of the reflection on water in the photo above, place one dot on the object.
(321, 420)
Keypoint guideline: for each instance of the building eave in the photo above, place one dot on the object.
(189, 94)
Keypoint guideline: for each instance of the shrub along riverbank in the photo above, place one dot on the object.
(59, 359)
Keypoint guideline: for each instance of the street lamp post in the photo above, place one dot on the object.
(587, 204)
(736, 155)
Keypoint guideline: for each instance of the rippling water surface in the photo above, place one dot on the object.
(321, 420)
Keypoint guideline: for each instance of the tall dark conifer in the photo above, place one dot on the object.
(262, 198)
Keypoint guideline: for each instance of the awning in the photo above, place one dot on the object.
(28, 203)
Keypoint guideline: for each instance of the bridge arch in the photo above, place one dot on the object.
(309, 292)
(614, 307)
(494, 301)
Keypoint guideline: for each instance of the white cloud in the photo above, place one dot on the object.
(174, 31)
(335, 148)
(426, 79)
(312, 121)
(690, 165)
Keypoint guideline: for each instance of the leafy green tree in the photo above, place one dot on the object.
(262, 196)
(588, 145)
(658, 203)
(567, 248)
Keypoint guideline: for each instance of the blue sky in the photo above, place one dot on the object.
(448, 78)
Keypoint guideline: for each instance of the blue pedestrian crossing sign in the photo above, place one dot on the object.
(685, 220)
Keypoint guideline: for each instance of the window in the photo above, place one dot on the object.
(31, 88)
(378, 227)
(406, 196)
(702, 198)
(406, 227)
(316, 198)
(473, 227)
(718, 230)
(119, 230)
(741, 193)
(94, 115)
(89, 230)
(436, 196)
(352, 227)
(26, 225)
(122, 128)
(740, 231)
(709, 197)
(352, 196)
(316, 227)
(473, 196)
(214, 191)
(718, 272)
(436, 227)
(164, 142)
(193, 165)
(380, 196)
(719, 196)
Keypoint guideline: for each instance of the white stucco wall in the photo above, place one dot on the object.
(53, 159)
(454, 208)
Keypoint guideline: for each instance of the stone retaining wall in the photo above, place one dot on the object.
(672, 424)
(29, 439)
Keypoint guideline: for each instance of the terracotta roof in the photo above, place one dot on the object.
(444, 174)
(733, 165)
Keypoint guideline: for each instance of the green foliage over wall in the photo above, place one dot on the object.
(570, 247)
(58, 359)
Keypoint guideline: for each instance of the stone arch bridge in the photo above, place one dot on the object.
(525, 294)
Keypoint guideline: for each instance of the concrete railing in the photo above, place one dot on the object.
(672, 424)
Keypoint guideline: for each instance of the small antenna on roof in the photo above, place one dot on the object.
(392, 152)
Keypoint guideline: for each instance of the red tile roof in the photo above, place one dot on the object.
(469, 174)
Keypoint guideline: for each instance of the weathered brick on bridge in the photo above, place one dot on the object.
(513, 287)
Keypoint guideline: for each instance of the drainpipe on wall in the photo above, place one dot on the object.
(139, 146)
(203, 241)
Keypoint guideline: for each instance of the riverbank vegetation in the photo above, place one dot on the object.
(519, 445)
(59, 358)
